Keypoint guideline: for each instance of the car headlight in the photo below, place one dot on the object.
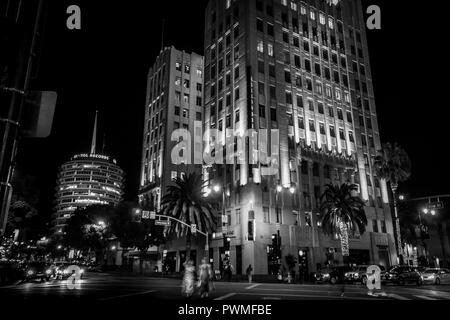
(82, 271)
(346, 274)
(48, 271)
(326, 275)
(356, 275)
(66, 271)
(30, 272)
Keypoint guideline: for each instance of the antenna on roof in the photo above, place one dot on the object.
(162, 36)
(94, 134)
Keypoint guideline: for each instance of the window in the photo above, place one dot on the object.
(318, 88)
(330, 24)
(332, 132)
(187, 68)
(260, 46)
(186, 98)
(307, 65)
(341, 134)
(351, 137)
(186, 83)
(198, 101)
(262, 111)
(337, 93)
(369, 123)
(306, 46)
(270, 30)
(236, 115)
(363, 140)
(296, 42)
(288, 97)
(299, 101)
(298, 81)
(272, 70)
(198, 116)
(199, 87)
(261, 89)
(270, 49)
(321, 128)
(236, 72)
(272, 92)
(349, 117)
(322, 18)
(383, 226)
(199, 73)
(287, 76)
(173, 175)
(294, 6)
(340, 115)
(236, 94)
(375, 225)
(260, 67)
(185, 113)
(302, 9)
(284, 2)
(312, 15)
(228, 99)
(320, 107)
(311, 105)
(312, 127)
(285, 37)
(301, 123)
(178, 66)
(259, 25)
(273, 114)
(328, 91)
(177, 111)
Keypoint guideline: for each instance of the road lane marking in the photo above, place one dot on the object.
(270, 298)
(127, 295)
(253, 286)
(396, 296)
(426, 298)
(225, 296)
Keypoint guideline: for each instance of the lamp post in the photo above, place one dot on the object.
(278, 190)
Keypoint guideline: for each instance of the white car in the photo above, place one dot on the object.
(436, 276)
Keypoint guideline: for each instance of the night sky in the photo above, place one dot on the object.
(104, 67)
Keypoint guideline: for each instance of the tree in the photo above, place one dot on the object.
(393, 165)
(342, 213)
(186, 201)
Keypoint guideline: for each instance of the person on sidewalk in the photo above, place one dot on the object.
(249, 272)
(205, 278)
(187, 287)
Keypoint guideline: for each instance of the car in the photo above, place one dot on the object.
(401, 274)
(359, 274)
(332, 275)
(436, 276)
(37, 271)
(63, 270)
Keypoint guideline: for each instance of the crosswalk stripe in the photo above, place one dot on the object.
(398, 297)
(426, 298)
(225, 296)
(253, 286)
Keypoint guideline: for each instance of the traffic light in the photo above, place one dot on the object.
(275, 243)
(226, 242)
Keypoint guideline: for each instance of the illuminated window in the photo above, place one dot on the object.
(322, 18)
(228, 4)
(260, 46)
(284, 2)
(294, 6)
(312, 15)
(270, 49)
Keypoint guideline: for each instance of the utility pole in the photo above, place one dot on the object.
(20, 30)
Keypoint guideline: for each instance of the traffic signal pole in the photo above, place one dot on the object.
(21, 23)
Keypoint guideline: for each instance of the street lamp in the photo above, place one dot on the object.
(292, 189)
(216, 188)
(401, 197)
(279, 188)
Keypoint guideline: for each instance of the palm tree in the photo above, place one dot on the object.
(342, 213)
(185, 200)
(393, 165)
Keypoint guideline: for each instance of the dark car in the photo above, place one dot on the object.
(37, 271)
(65, 270)
(332, 274)
(401, 275)
(359, 274)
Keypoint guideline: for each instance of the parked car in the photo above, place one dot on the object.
(401, 275)
(63, 270)
(37, 271)
(436, 276)
(359, 274)
(332, 274)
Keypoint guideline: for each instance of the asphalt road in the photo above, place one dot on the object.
(123, 288)
(120, 287)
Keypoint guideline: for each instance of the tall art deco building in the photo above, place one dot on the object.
(301, 67)
(86, 179)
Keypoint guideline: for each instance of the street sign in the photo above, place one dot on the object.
(162, 222)
(278, 226)
(152, 215)
(193, 228)
(435, 205)
(145, 214)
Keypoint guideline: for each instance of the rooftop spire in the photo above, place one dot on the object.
(94, 134)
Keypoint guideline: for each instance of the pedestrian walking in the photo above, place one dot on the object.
(205, 278)
(187, 287)
(249, 273)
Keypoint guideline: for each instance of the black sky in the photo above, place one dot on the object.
(104, 67)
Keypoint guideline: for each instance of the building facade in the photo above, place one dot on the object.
(302, 68)
(87, 179)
